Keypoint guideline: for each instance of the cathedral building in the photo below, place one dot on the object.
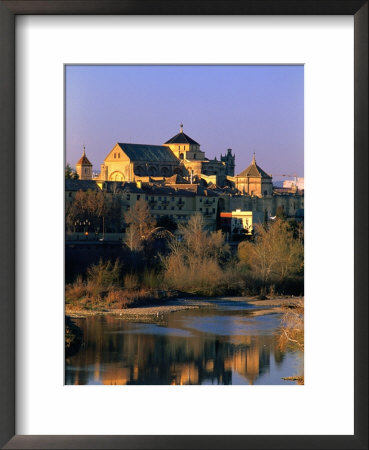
(128, 162)
(195, 162)
(180, 164)
(177, 181)
(180, 155)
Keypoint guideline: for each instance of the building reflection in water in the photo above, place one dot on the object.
(120, 353)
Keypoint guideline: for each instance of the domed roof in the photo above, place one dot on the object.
(181, 138)
(254, 170)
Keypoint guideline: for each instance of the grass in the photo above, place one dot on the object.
(105, 288)
(209, 272)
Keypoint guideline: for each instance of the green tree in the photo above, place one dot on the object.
(70, 174)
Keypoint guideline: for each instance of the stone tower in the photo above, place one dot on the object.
(84, 167)
(229, 161)
(254, 181)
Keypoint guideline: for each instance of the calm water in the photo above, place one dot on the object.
(227, 345)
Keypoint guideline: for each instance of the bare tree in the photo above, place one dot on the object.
(87, 206)
(275, 252)
(195, 260)
(91, 206)
(133, 239)
(140, 224)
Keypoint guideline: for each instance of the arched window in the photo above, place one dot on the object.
(139, 170)
(152, 170)
(165, 171)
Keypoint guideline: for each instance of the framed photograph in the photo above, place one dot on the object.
(162, 284)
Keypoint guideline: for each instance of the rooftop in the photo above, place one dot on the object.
(80, 185)
(181, 138)
(144, 152)
(254, 170)
(83, 160)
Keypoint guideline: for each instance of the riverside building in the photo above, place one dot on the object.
(177, 180)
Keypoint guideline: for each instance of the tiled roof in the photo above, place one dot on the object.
(80, 185)
(181, 138)
(115, 186)
(254, 171)
(143, 152)
(84, 161)
(175, 179)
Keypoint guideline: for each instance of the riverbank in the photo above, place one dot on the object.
(215, 341)
(157, 311)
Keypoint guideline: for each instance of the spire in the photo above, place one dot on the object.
(84, 150)
(181, 128)
(253, 159)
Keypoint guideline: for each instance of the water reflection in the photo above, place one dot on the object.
(192, 347)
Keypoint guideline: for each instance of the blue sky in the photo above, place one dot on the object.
(247, 108)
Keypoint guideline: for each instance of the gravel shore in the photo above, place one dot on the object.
(276, 305)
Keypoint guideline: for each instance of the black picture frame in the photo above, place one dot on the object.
(8, 12)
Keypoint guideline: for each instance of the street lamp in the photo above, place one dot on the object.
(83, 223)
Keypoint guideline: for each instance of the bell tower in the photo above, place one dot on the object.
(84, 167)
(229, 161)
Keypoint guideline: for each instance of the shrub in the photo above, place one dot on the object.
(275, 254)
(131, 281)
(292, 327)
(151, 279)
(104, 274)
(75, 291)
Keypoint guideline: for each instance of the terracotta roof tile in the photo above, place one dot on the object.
(83, 161)
(254, 171)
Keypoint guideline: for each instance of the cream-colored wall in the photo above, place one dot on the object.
(256, 186)
(188, 151)
(177, 149)
(195, 166)
(242, 220)
(116, 166)
(181, 208)
(290, 203)
(249, 185)
(84, 172)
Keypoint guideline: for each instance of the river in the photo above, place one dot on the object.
(225, 344)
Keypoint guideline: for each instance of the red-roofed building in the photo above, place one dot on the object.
(84, 167)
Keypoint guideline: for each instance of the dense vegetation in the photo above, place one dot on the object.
(192, 261)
